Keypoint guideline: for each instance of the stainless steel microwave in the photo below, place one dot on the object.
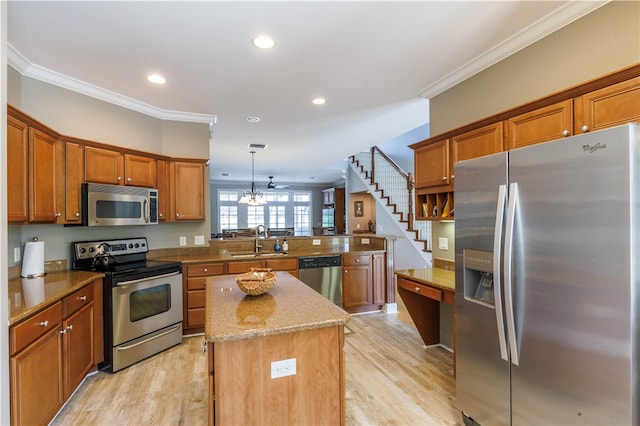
(114, 205)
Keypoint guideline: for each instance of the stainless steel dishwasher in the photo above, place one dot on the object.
(323, 274)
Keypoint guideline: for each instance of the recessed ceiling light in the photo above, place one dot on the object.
(319, 101)
(253, 119)
(156, 79)
(263, 42)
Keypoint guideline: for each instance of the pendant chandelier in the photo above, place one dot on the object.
(253, 197)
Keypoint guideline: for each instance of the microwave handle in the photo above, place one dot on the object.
(147, 210)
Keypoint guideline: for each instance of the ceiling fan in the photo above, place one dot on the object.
(272, 185)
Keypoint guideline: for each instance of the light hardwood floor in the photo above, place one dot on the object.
(392, 379)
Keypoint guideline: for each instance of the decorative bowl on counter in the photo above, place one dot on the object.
(257, 281)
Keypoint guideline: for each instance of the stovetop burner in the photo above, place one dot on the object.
(130, 257)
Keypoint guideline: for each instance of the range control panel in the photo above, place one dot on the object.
(90, 249)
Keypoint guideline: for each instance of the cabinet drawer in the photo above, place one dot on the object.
(242, 267)
(26, 332)
(195, 317)
(423, 290)
(356, 260)
(282, 264)
(77, 300)
(195, 299)
(205, 270)
(196, 283)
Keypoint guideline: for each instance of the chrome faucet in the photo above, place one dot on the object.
(261, 233)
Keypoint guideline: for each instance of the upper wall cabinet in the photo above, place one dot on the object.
(611, 106)
(544, 124)
(477, 143)
(17, 170)
(69, 177)
(186, 192)
(115, 168)
(42, 177)
(431, 163)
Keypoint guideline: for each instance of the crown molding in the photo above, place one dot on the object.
(21, 64)
(545, 26)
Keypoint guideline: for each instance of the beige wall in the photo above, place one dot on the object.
(603, 41)
(369, 210)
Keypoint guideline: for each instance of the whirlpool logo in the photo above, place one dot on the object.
(594, 148)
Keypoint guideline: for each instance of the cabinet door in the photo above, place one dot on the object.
(432, 165)
(140, 171)
(103, 166)
(187, 190)
(542, 125)
(614, 105)
(356, 286)
(379, 278)
(42, 177)
(78, 347)
(477, 143)
(69, 177)
(17, 169)
(36, 381)
(162, 185)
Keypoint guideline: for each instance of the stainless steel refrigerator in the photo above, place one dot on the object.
(548, 282)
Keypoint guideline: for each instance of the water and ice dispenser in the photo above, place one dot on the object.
(478, 277)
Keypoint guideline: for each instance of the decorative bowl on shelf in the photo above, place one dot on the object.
(257, 281)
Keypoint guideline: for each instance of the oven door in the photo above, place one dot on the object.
(145, 305)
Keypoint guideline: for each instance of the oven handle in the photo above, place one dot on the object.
(124, 348)
(154, 277)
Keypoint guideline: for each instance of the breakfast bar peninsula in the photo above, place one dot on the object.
(276, 358)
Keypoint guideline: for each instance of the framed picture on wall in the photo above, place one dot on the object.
(358, 208)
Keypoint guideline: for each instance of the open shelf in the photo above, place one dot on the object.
(435, 206)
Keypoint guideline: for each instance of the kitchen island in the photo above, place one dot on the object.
(277, 358)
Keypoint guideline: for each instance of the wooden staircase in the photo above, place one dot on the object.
(394, 189)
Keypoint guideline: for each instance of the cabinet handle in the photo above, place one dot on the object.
(177, 214)
(58, 214)
(44, 323)
(206, 270)
(119, 178)
(161, 214)
(357, 260)
(69, 328)
(83, 298)
(565, 133)
(444, 178)
(77, 214)
(128, 179)
(584, 128)
(417, 288)
(451, 176)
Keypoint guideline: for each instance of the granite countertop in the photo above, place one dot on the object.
(288, 306)
(225, 256)
(29, 295)
(434, 277)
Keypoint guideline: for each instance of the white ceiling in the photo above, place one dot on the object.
(376, 62)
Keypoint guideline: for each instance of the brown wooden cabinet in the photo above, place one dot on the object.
(476, 143)
(541, 125)
(289, 265)
(186, 180)
(357, 291)
(69, 178)
(42, 177)
(115, 168)
(17, 170)
(335, 198)
(378, 277)
(432, 165)
(163, 189)
(51, 352)
(195, 277)
(611, 106)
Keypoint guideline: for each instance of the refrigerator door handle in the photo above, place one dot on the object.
(497, 284)
(508, 285)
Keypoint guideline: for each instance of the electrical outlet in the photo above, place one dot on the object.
(283, 368)
(183, 241)
(443, 243)
(365, 241)
(198, 240)
(316, 242)
(16, 254)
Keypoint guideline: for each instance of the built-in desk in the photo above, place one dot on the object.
(422, 290)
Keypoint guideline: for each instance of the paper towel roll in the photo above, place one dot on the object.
(33, 260)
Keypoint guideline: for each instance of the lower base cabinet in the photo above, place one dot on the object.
(363, 282)
(51, 352)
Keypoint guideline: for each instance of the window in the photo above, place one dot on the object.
(284, 209)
